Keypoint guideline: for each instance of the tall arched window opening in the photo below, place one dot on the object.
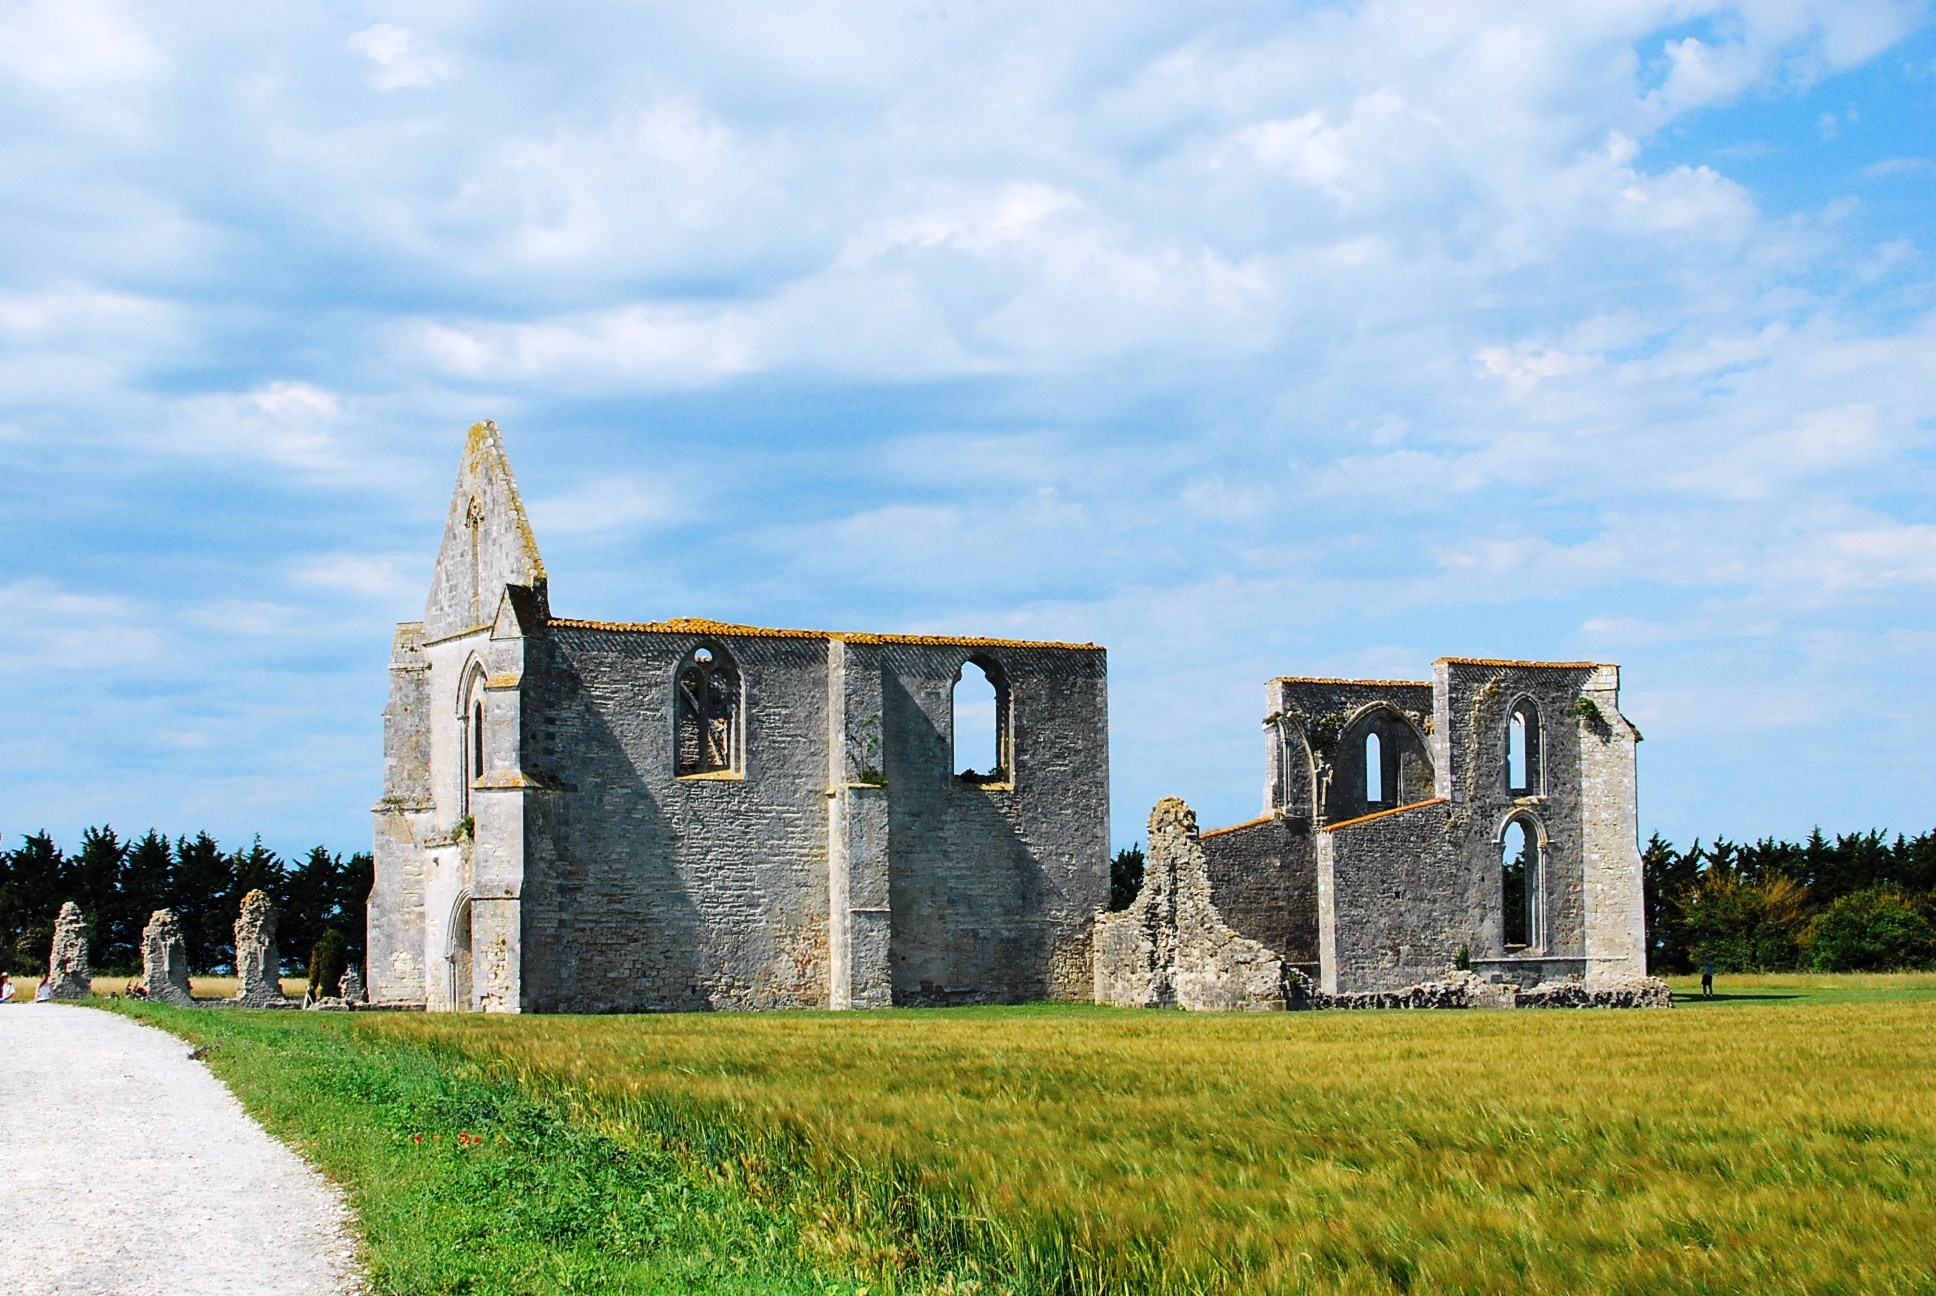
(470, 741)
(1523, 749)
(1374, 769)
(1520, 885)
(707, 731)
(980, 728)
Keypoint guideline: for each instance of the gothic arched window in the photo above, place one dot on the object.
(1523, 749)
(981, 741)
(706, 727)
(1521, 885)
(470, 723)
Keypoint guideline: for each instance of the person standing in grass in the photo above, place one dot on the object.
(1707, 979)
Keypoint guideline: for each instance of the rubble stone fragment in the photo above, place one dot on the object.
(164, 960)
(257, 963)
(67, 974)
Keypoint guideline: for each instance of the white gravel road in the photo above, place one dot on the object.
(126, 1168)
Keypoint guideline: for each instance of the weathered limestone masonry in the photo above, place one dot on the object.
(681, 814)
(164, 960)
(1382, 858)
(1170, 948)
(67, 975)
(258, 966)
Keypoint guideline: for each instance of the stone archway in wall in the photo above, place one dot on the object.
(463, 980)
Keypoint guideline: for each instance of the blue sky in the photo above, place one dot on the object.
(1243, 339)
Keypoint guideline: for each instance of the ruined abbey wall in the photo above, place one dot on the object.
(558, 832)
(1387, 808)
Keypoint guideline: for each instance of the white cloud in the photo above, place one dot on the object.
(48, 627)
(1898, 166)
(1293, 329)
(400, 62)
(290, 423)
(386, 579)
(618, 503)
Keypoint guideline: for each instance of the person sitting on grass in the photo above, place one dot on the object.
(7, 991)
(44, 991)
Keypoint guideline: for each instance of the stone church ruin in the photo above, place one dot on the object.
(591, 816)
(1482, 823)
(585, 816)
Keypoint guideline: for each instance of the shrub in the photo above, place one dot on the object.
(327, 961)
(1746, 926)
(1873, 930)
(1125, 878)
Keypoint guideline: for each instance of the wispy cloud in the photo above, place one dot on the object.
(1281, 339)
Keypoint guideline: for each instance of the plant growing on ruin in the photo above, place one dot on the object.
(465, 830)
(864, 753)
(1323, 733)
(1588, 710)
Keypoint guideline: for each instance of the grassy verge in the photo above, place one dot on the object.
(1781, 1139)
(466, 1183)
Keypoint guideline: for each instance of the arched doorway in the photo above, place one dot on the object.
(463, 994)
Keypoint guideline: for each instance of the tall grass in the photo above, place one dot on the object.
(1780, 1140)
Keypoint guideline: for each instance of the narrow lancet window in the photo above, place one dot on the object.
(1374, 770)
(980, 738)
(1522, 750)
(470, 743)
(707, 732)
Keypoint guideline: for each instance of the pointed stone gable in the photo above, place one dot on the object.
(487, 542)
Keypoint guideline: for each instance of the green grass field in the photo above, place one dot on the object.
(1779, 1138)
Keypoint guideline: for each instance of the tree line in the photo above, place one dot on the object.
(119, 884)
(1859, 903)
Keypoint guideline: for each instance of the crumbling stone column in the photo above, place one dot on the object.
(1171, 946)
(351, 987)
(67, 975)
(164, 960)
(257, 964)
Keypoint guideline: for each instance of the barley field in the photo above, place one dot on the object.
(204, 987)
(1781, 1137)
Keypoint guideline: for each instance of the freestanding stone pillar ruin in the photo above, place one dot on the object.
(1171, 947)
(258, 967)
(164, 960)
(67, 976)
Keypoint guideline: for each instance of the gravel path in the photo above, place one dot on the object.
(126, 1168)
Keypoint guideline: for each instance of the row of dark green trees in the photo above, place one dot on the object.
(1858, 903)
(119, 883)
